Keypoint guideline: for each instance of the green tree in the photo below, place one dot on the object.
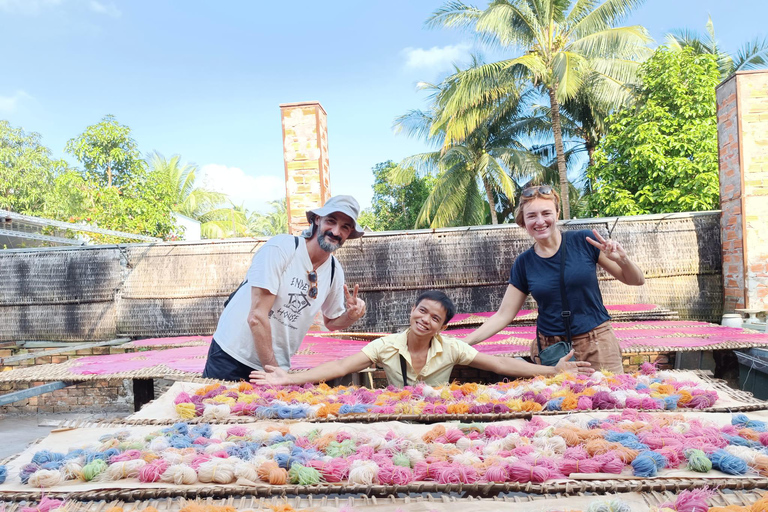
(275, 222)
(395, 207)
(661, 154)
(225, 222)
(751, 55)
(564, 44)
(27, 170)
(107, 151)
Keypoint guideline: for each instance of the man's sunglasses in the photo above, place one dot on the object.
(543, 190)
(312, 276)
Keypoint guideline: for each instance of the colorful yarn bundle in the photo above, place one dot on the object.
(647, 390)
(535, 451)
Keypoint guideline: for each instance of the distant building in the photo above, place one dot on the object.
(190, 225)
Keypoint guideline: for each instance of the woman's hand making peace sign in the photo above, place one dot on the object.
(355, 305)
(611, 248)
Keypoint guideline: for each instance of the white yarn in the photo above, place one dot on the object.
(467, 458)
(218, 471)
(172, 457)
(429, 391)
(44, 478)
(158, 444)
(414, 455)
(217, 447)
(109, 443)
(260, 436)
(72, 471)
(464, 443)
(745, 453)
(514, 440)
(214, 412)
(544, 432)
(124, 469)
(247, 471)
(363, 472)
(313, 409)
(620, 396)
(493, 447)
(179, 474)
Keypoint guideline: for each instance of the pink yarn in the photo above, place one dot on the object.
(195, 464)
(576, 453)
(584, 403)
(388, 409)
(673, 455)
(496, 473)
(204, 441)
(453, 435)
(493, 431)
(647, 369)
(237, 431)
(335, 470)
(454, 474)
(519, 451)
(534, 425)
(524, 473)
(126, 455)
(731, 430)
(182, 398)
(152, 471)
(421, 471)
(395, 475)
(691, 501)
(764, 438)
(656, 442)
(610, 463)
(46, 504)
(221, 454)
(569, 466)
(343, 436)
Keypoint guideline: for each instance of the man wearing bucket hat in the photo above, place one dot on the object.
(289, 281)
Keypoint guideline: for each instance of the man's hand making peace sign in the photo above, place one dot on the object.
(355, 305)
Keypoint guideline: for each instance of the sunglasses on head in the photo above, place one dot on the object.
(543, 190)
(312, 276)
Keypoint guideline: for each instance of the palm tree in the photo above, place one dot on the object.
(483, 163)
(564, 44)
(225, 222)
(198, 203)
(751, 55)
(270, 224)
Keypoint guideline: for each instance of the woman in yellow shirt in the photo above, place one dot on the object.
(419, 354)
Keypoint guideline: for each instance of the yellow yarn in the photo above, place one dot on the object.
(186, 411)
(223, 399)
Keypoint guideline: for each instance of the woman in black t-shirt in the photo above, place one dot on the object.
(537, 271)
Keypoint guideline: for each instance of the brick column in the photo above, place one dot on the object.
(742, 119)
(305, 152)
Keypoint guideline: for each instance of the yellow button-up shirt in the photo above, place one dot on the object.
(444, 353)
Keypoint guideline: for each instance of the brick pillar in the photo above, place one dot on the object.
(742, 119)
(305, 152)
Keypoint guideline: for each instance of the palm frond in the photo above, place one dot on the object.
(568, 70)
(508, 23)
(605, 16)
(611, 42)
(454, 14)
(414, 165)
(752, 55)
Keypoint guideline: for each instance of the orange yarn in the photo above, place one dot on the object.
(570, 403)
(459, 408)
(437, 431)
(283, 429)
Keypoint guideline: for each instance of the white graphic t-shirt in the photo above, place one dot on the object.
(282, 269)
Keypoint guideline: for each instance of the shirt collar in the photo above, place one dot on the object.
(401, 343)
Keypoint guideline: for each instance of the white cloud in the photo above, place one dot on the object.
(108, 9)
(252, 191)
(9, 104)
(436, 58)
(27, 6)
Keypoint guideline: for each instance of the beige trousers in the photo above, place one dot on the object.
(600, 347)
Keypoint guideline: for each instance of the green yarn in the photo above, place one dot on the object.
(614, 505)
(698, 461)
(341, 449)
(303, 475)
(136, 445)
(314, 434)
(94, 469)
(401, 459)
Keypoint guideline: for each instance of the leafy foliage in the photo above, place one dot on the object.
(107, 151)
(272, 223)
(661, 154)
(395, 207)
(27, 170)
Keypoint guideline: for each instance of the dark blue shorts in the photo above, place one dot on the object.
(221, 365)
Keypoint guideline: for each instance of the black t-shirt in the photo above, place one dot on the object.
(541, 278)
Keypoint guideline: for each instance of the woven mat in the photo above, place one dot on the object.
(162, 410)
(528, 316)
(63, 439)
(530, 503)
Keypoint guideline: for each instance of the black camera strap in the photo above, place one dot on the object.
(404, 370)
(566, 312)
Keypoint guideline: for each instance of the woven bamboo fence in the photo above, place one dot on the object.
(66, 295)
(172, 289)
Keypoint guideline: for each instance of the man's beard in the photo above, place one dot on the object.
(326, 242)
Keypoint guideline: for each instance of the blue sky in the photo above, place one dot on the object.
(204, 79)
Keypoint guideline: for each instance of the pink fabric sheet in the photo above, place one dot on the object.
(316, 349)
